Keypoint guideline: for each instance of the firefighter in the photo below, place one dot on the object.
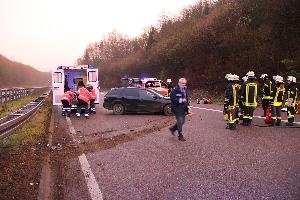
(238, 94)
(231, 102)
(292, 98)
(249, 98)
(241, 103)
(277, 100)
(266, 92)
(93, 99)
(225, 110)
(84, 98)
(67, 100)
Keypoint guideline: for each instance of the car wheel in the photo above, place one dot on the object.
(118, 109)
(168, 110)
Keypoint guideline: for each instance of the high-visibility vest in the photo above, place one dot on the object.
(251, 94)
(84, 95)
(67, 96)
(93, 94)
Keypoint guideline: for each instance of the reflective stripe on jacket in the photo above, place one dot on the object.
(249, 93)
(278, 95)
(267, 89)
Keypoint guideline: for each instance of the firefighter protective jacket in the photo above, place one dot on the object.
(231, 95)
(293, 94)
(249, 93)
(267, 89)
(277, 96)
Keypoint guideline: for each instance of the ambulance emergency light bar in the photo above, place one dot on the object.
(76, 67)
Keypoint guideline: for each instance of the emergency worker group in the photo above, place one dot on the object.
(241, 99)
(84, 98)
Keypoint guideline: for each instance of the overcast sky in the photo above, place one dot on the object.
(48, 33)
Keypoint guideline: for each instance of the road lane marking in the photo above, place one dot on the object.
(71, 128)
(213, 110)
(90, 179)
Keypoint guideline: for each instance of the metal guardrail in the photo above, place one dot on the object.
(14, 120)
(16, 93)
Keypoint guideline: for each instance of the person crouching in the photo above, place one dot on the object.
(66, 100)
(84, 98)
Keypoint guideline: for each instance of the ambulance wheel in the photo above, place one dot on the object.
(168, 110)
(118, 109)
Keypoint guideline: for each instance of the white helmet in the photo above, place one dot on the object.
(250, 74)
(169, 80)
(236, 77)
(294, 80)
(290, 78)
(230, 77)
(279, 79)
(245, 78)
(263, 76)
(227, 76)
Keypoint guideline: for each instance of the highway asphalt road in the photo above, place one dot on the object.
(145, 161)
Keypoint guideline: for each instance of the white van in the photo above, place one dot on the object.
(69, 77)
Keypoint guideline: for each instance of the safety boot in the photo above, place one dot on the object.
(278, 123)
(172, 131)
(290, 122)
(273, 121)
(78, 115)
(86, 116)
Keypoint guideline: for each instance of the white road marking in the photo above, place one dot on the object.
(71, 128)
(90, 179)
(209, 109)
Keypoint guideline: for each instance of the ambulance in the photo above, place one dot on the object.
(73, 77)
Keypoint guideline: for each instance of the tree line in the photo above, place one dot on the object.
(203, 43)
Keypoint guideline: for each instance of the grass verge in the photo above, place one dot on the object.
(21, 156)
(12, 106)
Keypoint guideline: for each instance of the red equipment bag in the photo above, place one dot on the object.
(299, 107)
(268, 119)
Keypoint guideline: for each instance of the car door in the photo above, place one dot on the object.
(149, 102)
(131, 99)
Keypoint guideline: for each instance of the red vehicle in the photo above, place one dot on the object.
(155, 84)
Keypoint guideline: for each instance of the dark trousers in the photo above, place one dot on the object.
(66, 107)
(248, 114)
(82, 104)
(291, 110)
(92, 106)
(276, 114)
(180, 120)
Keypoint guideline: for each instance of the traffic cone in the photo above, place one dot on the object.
(268, 119)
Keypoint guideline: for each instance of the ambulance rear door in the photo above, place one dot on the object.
(92, 78)
(57, 86)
